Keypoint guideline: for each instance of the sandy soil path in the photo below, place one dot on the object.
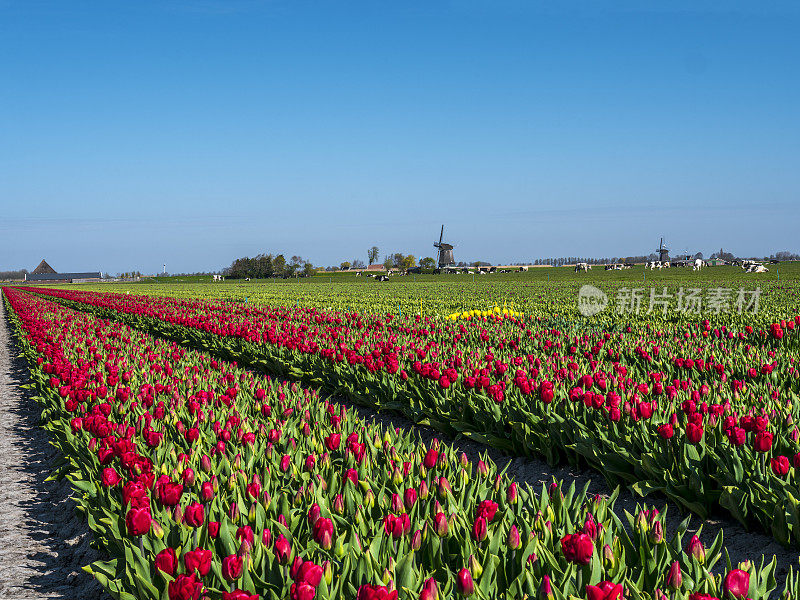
(43, 542)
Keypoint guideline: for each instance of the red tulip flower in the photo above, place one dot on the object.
(605, 590)
(578, 548)
(737, 584)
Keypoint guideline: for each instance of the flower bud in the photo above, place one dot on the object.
(416, 540)
(674, 577)
(397, 476)
(430, 590)
(697, 550)
(475, 567)
(656, 534)
(156, 529)
(338, 550)
(513, 538)
(444, 488)
(482, 468)
(608, 557)
(511, 493)
(546, 589)
(641, 523)
(423, 490)
(327, 572)
(440, 525)
(464, 583)
(338, 504)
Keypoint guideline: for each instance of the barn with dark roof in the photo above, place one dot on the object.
(44, 273)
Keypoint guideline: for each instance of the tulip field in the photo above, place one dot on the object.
(200, 428)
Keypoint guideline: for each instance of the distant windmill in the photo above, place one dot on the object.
(663, 252)
(445, 251)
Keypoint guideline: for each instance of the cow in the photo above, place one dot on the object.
(382, 277)
(698, 264)
(358, 274)
(757, 268)
(582, 267)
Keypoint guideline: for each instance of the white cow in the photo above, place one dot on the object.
(582, 267)
(698, 264)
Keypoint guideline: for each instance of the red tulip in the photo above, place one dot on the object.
(323, 532)
(194, 515)
(737, 583)
(166, 561)
(605, 590)
(185, 587)
(578, 548)
(199, 559)
(479, 529)
(694, 433)
(763, 441)
(696, 549)
(464, 583)
(138, 521)
(238, 594)
(232, 567)
(110, 477)
(282, 550)
(375, 592)
(780, 466)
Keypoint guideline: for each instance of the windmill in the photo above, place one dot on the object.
(445, 251)
(663, 252)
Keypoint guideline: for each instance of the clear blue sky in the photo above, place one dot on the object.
(192, 132)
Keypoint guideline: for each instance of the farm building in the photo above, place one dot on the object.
(47, 274)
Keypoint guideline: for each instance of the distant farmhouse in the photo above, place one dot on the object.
(46, 274)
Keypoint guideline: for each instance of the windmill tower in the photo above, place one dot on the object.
(445, 251)
(663, 252)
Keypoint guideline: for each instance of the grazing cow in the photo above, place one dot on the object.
(698, 264)
(358, 274)
(382, 277)
(582, 267)
(756, 268)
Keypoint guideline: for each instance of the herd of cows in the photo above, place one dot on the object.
(749, 266)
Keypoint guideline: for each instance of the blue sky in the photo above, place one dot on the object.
(192, 132)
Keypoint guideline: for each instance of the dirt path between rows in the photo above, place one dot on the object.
(43, 543)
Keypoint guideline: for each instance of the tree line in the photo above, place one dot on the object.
(264, 266)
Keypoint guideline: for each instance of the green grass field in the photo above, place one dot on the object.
(546, 291)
